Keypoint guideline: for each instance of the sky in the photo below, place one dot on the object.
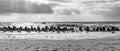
(59, 10)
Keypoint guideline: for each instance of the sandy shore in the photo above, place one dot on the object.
(60, 42)
(61, 45)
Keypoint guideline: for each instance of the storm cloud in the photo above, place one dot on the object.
(24, 7)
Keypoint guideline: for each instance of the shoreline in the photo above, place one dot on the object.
(59, 36)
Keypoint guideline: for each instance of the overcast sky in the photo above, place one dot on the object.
(59, 10)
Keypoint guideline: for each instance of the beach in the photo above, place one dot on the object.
(48, 43)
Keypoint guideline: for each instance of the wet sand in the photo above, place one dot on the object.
(39, 45)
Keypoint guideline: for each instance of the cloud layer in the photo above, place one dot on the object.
(23, 7)
(62, 10)
(61, 0)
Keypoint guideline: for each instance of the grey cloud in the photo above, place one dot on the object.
(100, 1)
(69, 12)
(20, 7)
(53, 4)
(4, 6)
(60, 0)
(76, 11)
(114, 12)
(43, 8)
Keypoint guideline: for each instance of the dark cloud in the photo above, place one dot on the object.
(6, 7)
(60, 0)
